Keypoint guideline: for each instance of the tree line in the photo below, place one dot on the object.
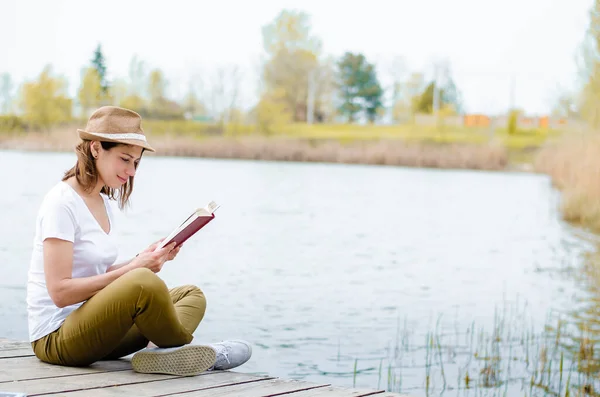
(298, 83)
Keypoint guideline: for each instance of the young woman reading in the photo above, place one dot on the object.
(82, 306)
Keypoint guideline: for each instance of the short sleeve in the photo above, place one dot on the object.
(58, 221)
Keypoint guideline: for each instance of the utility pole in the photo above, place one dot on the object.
(436, 92)
(512, 91)
(310, 102)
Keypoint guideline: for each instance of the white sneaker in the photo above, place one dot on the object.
(187, 360)
(231, 354)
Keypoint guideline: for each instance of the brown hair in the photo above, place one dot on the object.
(86, 173)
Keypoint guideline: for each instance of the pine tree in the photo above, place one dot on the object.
(359, 87)
(98, 62)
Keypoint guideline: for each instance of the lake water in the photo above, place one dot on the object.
(340, 274)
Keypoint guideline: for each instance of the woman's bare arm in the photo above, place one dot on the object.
(58, 266)
(65, 290)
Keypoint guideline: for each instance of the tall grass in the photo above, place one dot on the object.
(513, 355)
(485, 156)
(510, 359)
(573, 163)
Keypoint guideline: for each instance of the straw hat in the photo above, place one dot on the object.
(115, 124)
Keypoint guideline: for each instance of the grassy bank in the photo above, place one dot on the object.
(409, 145)
(573, 162)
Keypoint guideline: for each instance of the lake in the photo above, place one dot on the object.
(366, 276)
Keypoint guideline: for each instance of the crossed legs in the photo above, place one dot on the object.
(122, 318)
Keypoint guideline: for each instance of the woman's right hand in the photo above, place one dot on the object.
(153, 260)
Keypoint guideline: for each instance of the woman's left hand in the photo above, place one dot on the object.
(171, 255)
(153, 246)
(174, 253)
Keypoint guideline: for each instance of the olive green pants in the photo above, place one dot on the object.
(122, 318)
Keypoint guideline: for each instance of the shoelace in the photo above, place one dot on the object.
(225, 353)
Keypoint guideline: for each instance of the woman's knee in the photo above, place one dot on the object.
(193, 297)
(145, 279)
(198, 295)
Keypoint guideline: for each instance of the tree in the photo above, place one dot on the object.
(159, 106)
(359, 87)
(118, 91)
(157, 86)
(271, 113)
(399, 88)
(193, 103)
(321, 91)
(565, 106)
(45, 102)
(99, 63)
(6, 88)
(412, 90)
(134, 97)
(589, 67)
(292, 57)
(225, 92)
(448, 95)
(90, 92)
(137, 77)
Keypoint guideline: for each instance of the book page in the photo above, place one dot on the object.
(208, 210)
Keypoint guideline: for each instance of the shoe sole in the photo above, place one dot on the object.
(188, 360)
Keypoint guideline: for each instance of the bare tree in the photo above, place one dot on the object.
(397, 72)
(225, 92)
(6, 88)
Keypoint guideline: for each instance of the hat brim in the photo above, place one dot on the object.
(90, 136)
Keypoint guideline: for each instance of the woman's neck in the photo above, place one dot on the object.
(77, 186)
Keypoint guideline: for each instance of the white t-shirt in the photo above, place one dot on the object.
(64, 215)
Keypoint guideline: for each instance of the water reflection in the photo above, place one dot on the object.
(512, 358)
(577, 334)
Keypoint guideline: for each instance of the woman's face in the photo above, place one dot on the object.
(115, 166)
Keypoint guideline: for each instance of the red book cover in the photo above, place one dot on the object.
(199, 218)
(191, 229)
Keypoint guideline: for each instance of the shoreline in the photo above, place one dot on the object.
(389, 152)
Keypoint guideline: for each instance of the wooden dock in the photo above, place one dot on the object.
(21, 372)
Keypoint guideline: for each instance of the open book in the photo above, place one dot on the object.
(196, 221)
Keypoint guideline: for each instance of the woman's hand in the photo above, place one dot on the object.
(174, 253)
(153, 246)
(153, 260)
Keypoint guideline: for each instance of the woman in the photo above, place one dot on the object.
(84, 307)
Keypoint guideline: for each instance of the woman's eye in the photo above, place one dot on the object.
(125, 160)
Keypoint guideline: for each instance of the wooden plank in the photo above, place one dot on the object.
(11, 348)
(21, 371)
(211, 380)
(271, 387)
(24, 368)
(334, 391)
(80, 382)
(6, 344)
(9, 353)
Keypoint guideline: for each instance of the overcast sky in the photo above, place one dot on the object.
(485, 41)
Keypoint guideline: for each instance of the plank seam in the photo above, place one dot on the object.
(296, 391)
(372, 393)
(104, 387)
(216, 387)
(63, 376)
(124, 384)
(25, 355)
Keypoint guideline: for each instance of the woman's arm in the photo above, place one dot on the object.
(119, 265)
(58, 267)
(150, 248)
(65, 290)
